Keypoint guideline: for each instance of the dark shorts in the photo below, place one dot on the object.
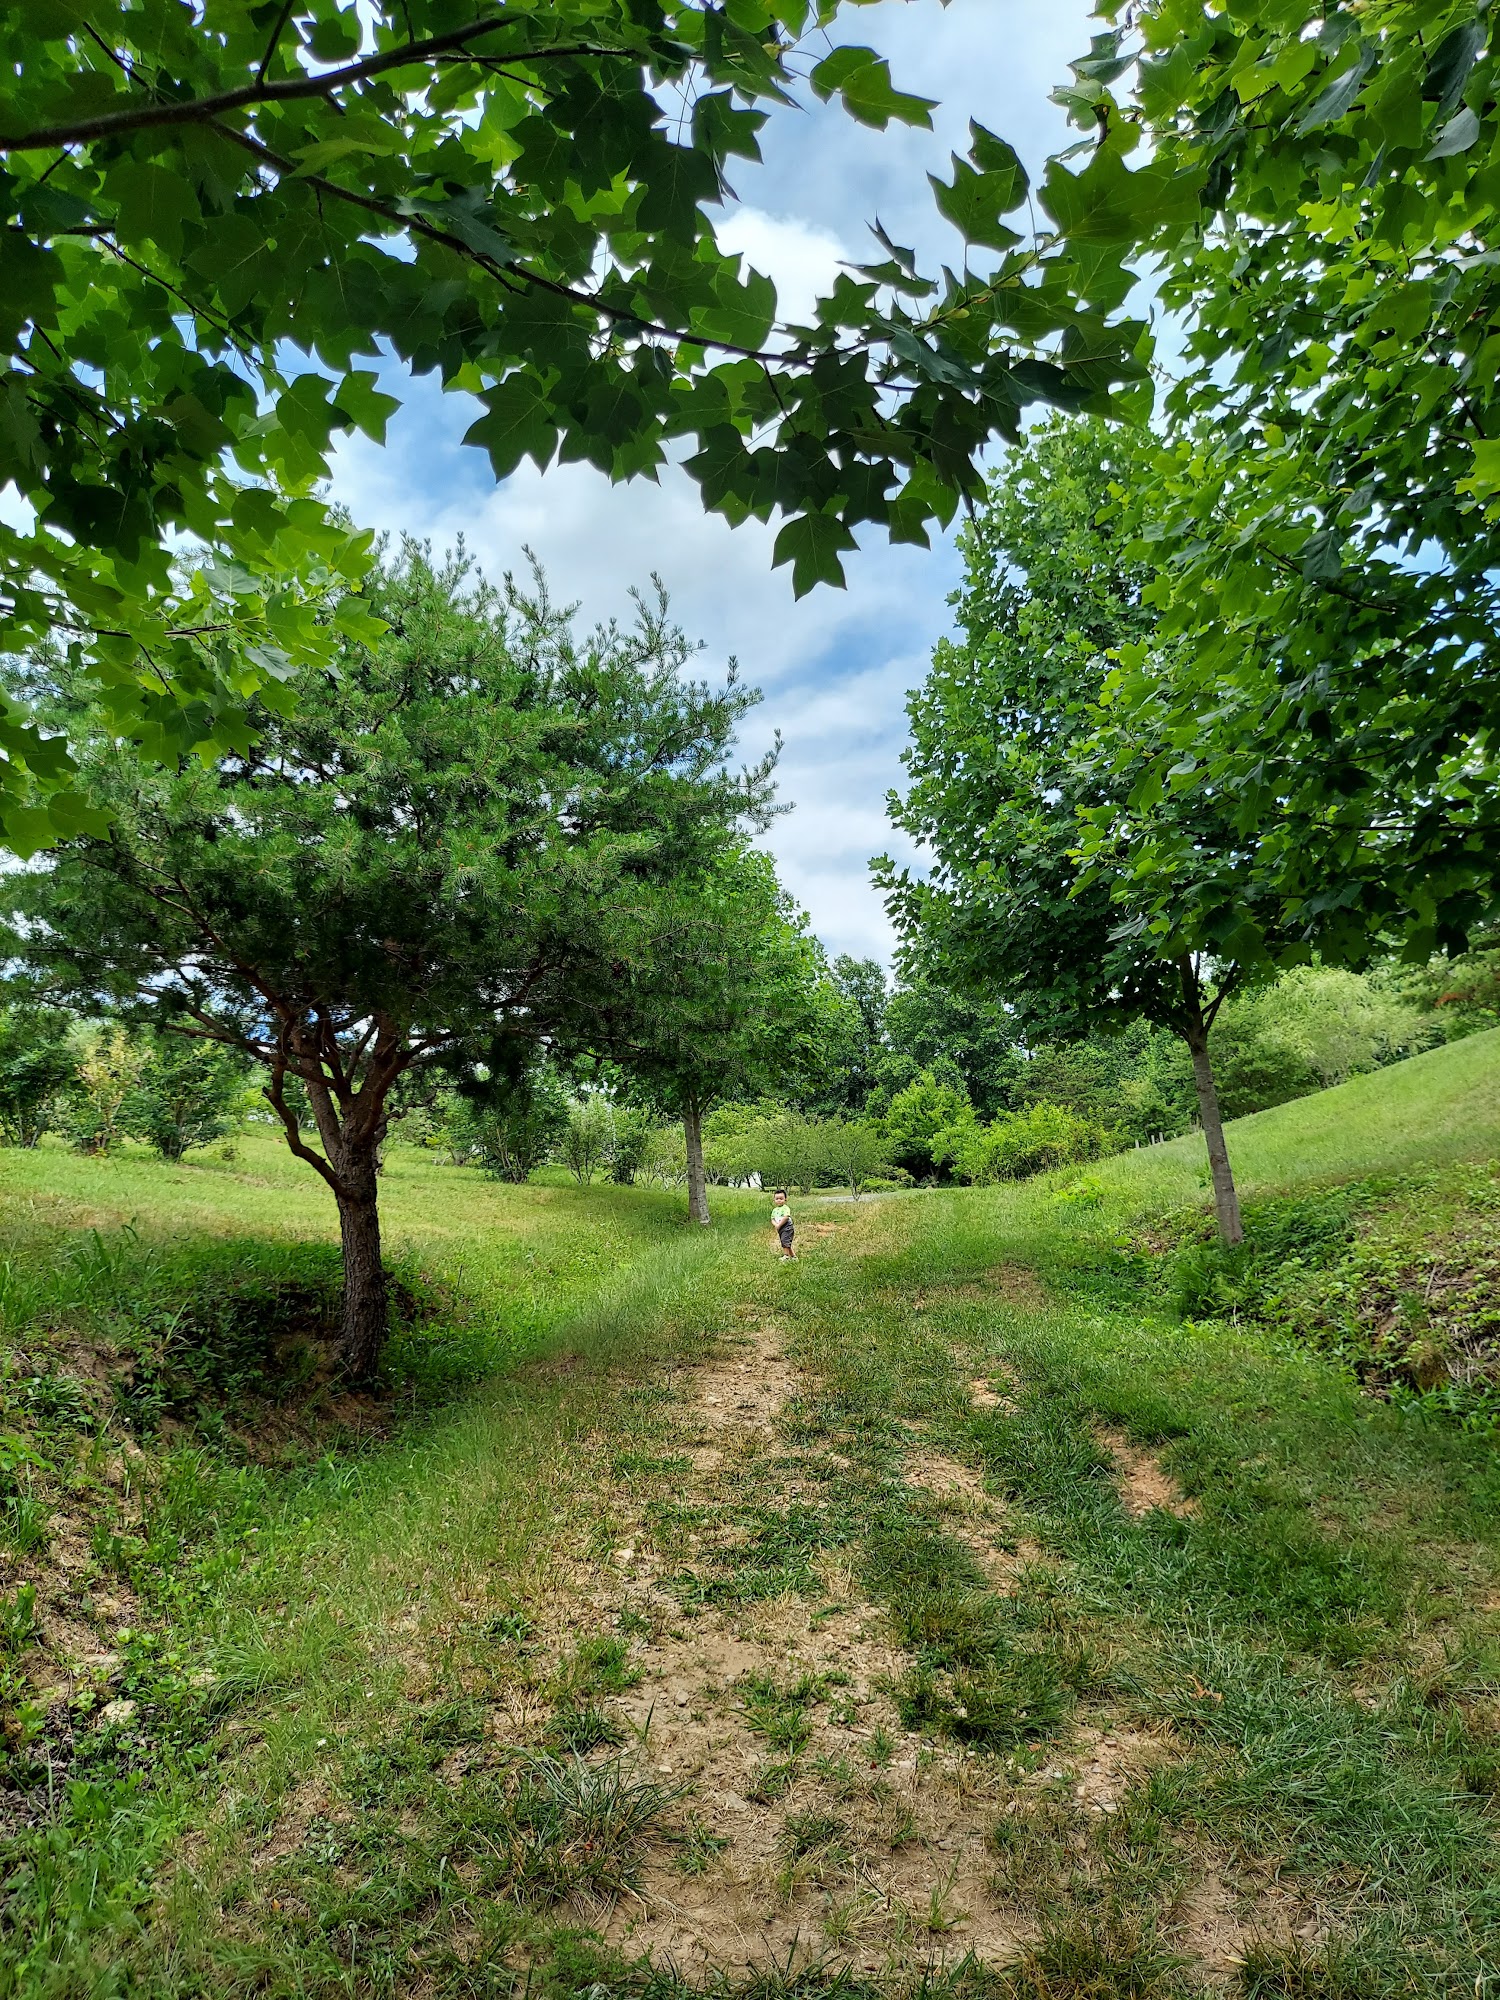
(786, 1232)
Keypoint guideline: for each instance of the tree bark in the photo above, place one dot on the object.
(365, 1317)
(697, 1182)
(1226, 1198)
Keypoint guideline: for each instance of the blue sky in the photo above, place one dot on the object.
(835, 669)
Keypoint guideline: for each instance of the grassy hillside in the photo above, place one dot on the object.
(944, 1612)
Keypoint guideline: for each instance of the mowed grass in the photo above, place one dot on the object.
(1307, 1637)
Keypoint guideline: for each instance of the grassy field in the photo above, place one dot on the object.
(945, 1612)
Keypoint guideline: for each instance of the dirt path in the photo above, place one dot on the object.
(819, 1822)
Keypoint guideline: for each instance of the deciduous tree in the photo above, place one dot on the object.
(1017, 761)
(221, 220)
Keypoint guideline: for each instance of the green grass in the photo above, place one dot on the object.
(325, 1618)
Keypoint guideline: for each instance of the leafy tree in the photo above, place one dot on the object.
(422, 867)
(219, 218)
(1019, 761)
(37, 1066)
(917, 1120)
(854, 1149)
(716, 995)
(928, 1023)
(852, 1038)
(586, 1138)
(1322, 510)
(105, 1077)
(187, 1094)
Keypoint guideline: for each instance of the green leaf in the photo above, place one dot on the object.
(518, 423)
(1483, 480)
(1452, 60)
(863, 80)
(974, 204)
(1457, 136)
(813, 545)
(367, 407)
(1335, 99)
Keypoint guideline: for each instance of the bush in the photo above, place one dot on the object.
(504, 1129)
(1021, 1143)
(586, 1138)
(109, 1068)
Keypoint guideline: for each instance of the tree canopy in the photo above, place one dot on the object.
(219, 220)
(1321, 515)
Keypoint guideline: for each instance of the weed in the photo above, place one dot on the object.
(1108, 1958)
(1005, 1702)
(699, 1849)
(571, 1828)
(596, 1666)
(810, 1833)
(17, 1618)
(779, 1713)
(23, 1522)
(584, 1728)
(773, 1780)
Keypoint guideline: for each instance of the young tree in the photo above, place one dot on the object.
(1014, 767)
(218, 217)
(584, 1143)
(105, 1077)
(718, 997)
(854, 1149)
(428, 863)
(187, 1093)
(37, 1065)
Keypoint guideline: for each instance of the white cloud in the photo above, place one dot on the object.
(799, 258)
(837, 665)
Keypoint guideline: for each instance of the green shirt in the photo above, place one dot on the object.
(779, 1214)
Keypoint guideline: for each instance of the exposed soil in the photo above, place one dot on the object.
(1143, 1482)
(893, 1867)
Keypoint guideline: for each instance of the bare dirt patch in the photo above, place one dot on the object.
(1143, 1482)
(848, 1836)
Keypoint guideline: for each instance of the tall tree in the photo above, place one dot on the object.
(218, 218)
(716, 995)
(1322, 515)
(1012, 764)
(427, 859)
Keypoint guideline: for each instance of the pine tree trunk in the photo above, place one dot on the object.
(1226, 1198)
(697, 1183)
(365, 1318)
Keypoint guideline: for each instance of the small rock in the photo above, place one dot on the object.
(117, 1711)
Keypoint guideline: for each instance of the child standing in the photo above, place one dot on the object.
(781, 1226)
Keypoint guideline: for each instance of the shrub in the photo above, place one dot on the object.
(109, 1068)
(1020, 1143)
(584, 1143)
(504, 1129)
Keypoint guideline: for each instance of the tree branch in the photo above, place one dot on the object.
(274, 1094)
(207, 110)
(503, 274)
